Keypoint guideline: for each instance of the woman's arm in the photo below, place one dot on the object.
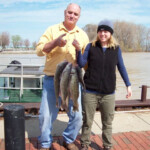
(124, 74)
(82, 59)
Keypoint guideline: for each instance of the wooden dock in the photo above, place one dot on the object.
(121, 141)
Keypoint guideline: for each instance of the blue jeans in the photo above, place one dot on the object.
(48, 114)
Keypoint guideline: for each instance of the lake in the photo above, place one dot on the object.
(137, 65)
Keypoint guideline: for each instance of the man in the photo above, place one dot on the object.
(59, 43)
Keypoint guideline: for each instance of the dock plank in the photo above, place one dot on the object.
(121, 141)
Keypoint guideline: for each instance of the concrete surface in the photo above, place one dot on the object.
(123, 122)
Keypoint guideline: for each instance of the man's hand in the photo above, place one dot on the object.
(60, 41)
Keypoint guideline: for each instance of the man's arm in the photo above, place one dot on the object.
(56, 42)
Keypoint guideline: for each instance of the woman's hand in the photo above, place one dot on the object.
(76, 44)
(129, 92)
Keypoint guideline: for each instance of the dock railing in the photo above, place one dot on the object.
(36, 71)
(136, 103)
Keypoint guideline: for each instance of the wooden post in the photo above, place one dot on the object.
(144, 93)
(14, 127)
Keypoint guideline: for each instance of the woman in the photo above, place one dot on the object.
(102, 57)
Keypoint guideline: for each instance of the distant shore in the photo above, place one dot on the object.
(18, 52)
(34, 52)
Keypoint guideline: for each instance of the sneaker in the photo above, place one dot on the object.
(84, 147)
(70, 146)
(45, 148)
(107, 148)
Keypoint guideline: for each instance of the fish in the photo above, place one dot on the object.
(64, 86)
(66, 81)
(74, 88)
(59, 69)
(80, 76)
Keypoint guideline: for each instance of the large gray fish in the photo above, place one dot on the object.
(80, 76)
(64, 86)
(57, 76)
(74, 88)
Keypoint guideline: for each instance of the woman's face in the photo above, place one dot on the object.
(104, 36)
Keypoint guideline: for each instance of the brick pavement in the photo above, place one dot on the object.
(121, 141)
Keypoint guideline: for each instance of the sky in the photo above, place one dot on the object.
(30, 18)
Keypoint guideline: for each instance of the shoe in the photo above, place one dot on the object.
(70, 146)
(45, 148)
(107, 148)
(84, 147)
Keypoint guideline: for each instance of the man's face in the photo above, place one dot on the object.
(72, 14)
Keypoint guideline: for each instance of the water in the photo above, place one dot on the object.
(137, 65)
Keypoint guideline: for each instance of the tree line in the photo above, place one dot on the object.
(16, 41)
(130, 36)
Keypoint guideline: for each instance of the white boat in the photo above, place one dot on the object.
(21, 83)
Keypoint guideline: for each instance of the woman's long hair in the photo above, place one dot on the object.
(112, 43)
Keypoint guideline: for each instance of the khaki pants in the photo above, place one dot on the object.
(106, 104)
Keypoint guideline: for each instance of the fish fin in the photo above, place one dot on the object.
(75, 108)
(57, 105)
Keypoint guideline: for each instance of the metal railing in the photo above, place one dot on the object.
(7, 73)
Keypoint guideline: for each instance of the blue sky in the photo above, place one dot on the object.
(30, 18)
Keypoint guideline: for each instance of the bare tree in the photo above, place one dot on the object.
(1, 40)
(34, 44)
(5, 39)
(21, 43)
(147, 41)
(16, 41)
(125, 32)
(26, 43)
(91, 31)
(131, 37)
(140, 37)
